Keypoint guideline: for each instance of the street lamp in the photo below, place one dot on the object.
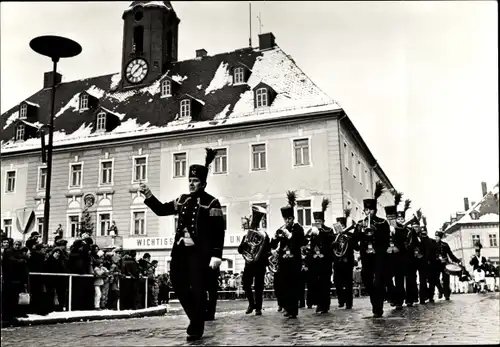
(55, 47)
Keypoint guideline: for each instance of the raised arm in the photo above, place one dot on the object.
(158, 208)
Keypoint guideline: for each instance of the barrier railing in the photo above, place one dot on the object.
(70, 284)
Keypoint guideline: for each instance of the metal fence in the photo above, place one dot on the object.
(71, 277)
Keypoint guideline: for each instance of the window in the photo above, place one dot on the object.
(74, 222)
(475, 238)
(224, 215)
(139, 223)
(185, 108)
(166, 88)
(138, 46)
(20, 132)
(493, 240)
(304, 212)
(346, 156)
(367, 179)
(107, 172)
(180, 164)
(24, 112)
(301, 152)
(261, 96)
(39, 225)
(258, 157)
(360, 171)
(42, 178)
(7, 227)
(263, 222)
(101, 121)
(84, 102)
(11, 181)
(75, 175)
(239, 75)
(353, 164)
(104, 223)
(140, 164)
(220, 161)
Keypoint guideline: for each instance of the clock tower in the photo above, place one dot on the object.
(150, 40)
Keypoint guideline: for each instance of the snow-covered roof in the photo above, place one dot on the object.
(483, 212)
(31, 103)
(142, 111)
(160, 4)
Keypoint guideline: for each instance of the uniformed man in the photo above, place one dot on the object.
(426, 264)
(374, 241)
(290, 238)
(255, 266)
(343, 261)
(321, 259)
(198, 243)
(396, 258)
(445, 255)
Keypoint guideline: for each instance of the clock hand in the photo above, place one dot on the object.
(134, 69)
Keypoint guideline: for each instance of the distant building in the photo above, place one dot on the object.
(274, 130)
(479, 222)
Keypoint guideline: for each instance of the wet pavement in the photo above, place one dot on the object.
(466, 319)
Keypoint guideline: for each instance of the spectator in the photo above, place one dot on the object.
(99, 272)
(164, 288)
(130, 286)
(152, 285)
(32, 240)
(57, 285)
(106, 262)
(39, 303)
(114, 285)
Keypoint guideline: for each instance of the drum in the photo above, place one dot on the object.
(453, 269)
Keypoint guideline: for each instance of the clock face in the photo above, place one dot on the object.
(136, 70)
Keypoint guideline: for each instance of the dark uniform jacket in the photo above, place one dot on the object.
(476, 264)
(430, 249)
(263, 260)
(401, 238)
(201, 215)
(380, 238)
(290, 248)
(444, 253)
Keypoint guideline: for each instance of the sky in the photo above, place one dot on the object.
(418, 79)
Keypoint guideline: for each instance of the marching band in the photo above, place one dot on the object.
(392, 252)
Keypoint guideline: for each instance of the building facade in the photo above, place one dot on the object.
(273, 129)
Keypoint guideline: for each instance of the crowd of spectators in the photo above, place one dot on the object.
(114, 279)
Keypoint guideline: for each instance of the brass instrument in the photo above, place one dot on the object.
(255, 241)
(369, 232)
(341, 243)
(273, 261)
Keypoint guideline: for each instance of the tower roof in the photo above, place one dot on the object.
(161, 4)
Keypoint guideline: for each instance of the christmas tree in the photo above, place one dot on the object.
(86, 225)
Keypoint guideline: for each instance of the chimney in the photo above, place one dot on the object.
(472, 203)
(460, 215)
(485, 188)
(200, 53)
(47, 79)
(466, 204)
(266, 41)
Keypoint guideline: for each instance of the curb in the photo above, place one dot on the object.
(150, 313)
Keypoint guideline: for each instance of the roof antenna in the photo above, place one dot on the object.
(250, 18)
(260, 22)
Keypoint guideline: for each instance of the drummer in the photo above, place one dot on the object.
(444, 255)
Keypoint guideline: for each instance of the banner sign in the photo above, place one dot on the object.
(140, 243)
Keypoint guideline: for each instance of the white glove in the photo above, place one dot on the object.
(287, 234)
(144, 189)
(215, 263)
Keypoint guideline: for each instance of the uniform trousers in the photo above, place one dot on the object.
(445, 288)
(290, 274)
(343, 278)
(319, 283)
(254, 274)
(279, 287)
(212, 289)
(396, 278)
(423, 279)
(188, 273)
(411, 279)
(373, 275)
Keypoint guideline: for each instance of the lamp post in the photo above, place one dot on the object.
(55, 47)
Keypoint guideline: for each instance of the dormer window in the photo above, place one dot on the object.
(101, 121)
(20, 132)
(166, 88)
(185, 108)
(261, 97)
(84, 102)
(239, 75)
(23, 114)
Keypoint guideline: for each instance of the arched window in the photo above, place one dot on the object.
(101, 121)
(166, 88)
(138, 39)
(185, 108)
(261, 96)
(20, 132)
(24, 111)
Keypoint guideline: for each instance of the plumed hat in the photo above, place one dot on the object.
(343, 220)
(201, 171)
(321, 214)
(287, 211)
(371, 204)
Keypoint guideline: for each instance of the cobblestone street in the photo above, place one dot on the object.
(466, 319)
